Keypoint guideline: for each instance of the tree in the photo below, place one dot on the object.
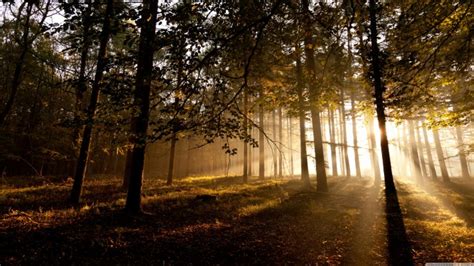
(91, 110)
(302, 117)
(440, 155)
(313, 91)
(379, 100)
(142, 99)
(430, 156)
(25, 44)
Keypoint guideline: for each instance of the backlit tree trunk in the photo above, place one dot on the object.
(414, 151)
(429, 154)
(290, 143)
(379, 101)
(440, 155)
(355, 137)
(81, 83)
(419, 145)
(462, 154)
(280, 143)
(142, 99)
(81, 164)
(261, 139)
(372, 145)
(246, 146)
(314, 94)
(275, 149)
(302, 118)
(332, 140)
(169, 178)
(344, 136)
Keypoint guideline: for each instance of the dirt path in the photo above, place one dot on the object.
(369, 244)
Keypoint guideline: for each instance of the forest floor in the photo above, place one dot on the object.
(264, 222)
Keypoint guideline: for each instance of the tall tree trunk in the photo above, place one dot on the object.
(414, 151)
(280, 143)
(81, 164)
(372, 145)
(314, 94)
(439, 153)
(261, 139)
(142, 98)
(246, 146)
(302, 118)
(355, 137)
(340, 143)
(290, 143)
(243, 11)
(353, 110)
(188, 156)
(25, 47)
(332, 139)
(462, 154)
(275, 150)
(419, 145)
(250, 155)
(379, 101)
(406, 133)
(169, 178)
(82, 83)
(430, 156)
(344, 135)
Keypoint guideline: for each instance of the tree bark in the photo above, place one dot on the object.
(261, 139)
(142, 98)
(332, 139)
(280, 143)
(430, 156)
(314, 94)
(344, 135)
(372, 145)
(243, 10)
(462, 154)
(379, 101)
(16, 80)
(414, 151)
(250, 155)
(81, 83)
(302, 118)
(421, 153)
(275, 150)
(290, 143)
(353, 110)
(246, 146)
(439, 153)
(81, 165)
(355, 137)
(169, 178)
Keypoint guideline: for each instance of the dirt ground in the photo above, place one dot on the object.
(270, 222)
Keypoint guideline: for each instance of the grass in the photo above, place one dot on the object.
(438, 219)
(262, 222)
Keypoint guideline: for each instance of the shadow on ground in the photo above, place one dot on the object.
(264, 222)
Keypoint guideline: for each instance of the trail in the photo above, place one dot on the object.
(369, 244)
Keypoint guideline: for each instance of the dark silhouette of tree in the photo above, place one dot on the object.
(314, 94)
(81, 164)
(139, 127)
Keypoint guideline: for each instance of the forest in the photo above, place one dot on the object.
(306, 132)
